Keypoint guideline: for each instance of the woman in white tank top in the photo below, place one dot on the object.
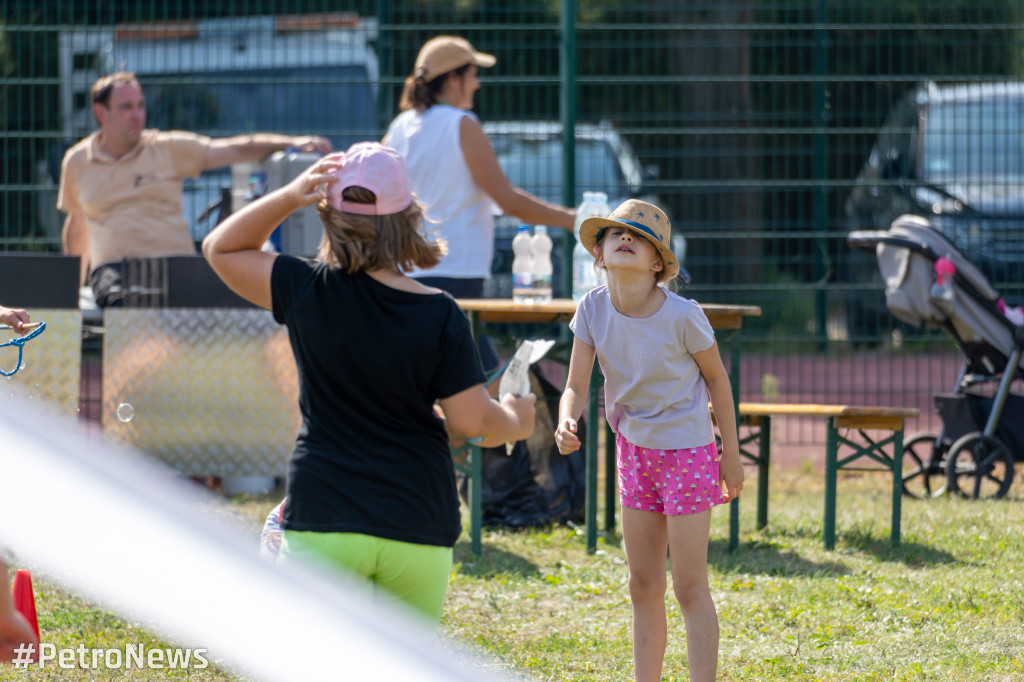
(453, 168)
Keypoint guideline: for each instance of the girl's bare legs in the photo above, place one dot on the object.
(688, 547)
(645, 535)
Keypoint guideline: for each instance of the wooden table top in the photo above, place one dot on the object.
(721, 316)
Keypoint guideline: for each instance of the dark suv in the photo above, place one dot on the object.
(954, 155)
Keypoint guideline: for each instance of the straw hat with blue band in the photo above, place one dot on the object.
(642, 218)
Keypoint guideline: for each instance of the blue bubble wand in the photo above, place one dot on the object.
(37, 329)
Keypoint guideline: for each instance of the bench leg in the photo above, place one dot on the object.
(764, 450)
(897, 484)
(590, 447)
(734, 381)
(611, 479)
(831, 466)
(476, 506)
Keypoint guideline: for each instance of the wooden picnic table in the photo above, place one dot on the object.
(723, 318)
(846, 425)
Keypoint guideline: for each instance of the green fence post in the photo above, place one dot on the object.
(386, 97)
(820, 171)
(567, 95)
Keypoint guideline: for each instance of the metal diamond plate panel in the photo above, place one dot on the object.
(51, 363)
(210, 392)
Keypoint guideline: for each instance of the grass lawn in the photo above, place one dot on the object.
(948, 604)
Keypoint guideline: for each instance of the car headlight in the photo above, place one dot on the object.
(939, 203)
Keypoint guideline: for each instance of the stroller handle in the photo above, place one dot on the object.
(867, 240)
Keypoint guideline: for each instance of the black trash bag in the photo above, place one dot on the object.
(535, 485)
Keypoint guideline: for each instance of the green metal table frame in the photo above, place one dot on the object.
(727, 321)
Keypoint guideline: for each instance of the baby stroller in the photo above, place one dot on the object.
(982, 433)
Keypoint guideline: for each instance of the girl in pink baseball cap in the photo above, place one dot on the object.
(371, 486)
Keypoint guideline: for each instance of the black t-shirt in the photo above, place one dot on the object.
(371, 456)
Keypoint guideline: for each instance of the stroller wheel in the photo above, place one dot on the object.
(924, 471)
(979, 466)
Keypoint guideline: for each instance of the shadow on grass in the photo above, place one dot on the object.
(779, 558)
(769, 559)
(909, 553)
(493, 561)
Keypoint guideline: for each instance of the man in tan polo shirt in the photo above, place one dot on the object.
(122, 187)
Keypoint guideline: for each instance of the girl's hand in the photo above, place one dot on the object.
(565, 436)
(15, 318)
(730, 471)
(524, 407)
(305, 189)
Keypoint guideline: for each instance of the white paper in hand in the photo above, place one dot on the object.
(516, 378)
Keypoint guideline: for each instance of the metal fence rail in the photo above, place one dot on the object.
(754, 124)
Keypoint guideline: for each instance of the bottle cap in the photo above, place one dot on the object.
(523, 228)
(944, 266)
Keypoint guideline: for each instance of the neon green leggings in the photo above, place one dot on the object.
(414, 574)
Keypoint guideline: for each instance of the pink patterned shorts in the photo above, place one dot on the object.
(670, 482)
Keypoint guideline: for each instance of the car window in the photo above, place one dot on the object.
(967, 141)
(535, 165)
(290, 100)
(895, 149)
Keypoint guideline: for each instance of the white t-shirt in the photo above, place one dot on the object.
(655, 395)
(458, 210)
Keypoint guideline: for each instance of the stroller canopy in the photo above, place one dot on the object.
(906, 257)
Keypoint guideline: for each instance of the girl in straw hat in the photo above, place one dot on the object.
(371, 486)
(661, 366)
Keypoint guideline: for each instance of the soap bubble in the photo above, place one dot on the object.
(125, 412)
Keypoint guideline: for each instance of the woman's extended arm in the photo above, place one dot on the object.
(483, 164)
(472, 413)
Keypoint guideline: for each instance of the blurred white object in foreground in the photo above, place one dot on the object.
(156, 559)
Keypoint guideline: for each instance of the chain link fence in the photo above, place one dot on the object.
(767, 130)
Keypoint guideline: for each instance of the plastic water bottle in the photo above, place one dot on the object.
(522, 266)
(540, 252)
(942, 288)
(584, 275)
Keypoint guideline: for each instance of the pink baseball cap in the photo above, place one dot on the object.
(373, 166)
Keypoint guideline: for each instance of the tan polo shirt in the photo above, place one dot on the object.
(133, 205)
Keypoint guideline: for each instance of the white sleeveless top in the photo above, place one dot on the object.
(458, 210)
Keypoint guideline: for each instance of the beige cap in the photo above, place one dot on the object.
(442, 54)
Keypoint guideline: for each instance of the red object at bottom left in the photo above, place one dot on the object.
(24, 599)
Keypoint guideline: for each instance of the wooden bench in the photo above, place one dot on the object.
(755, 446)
